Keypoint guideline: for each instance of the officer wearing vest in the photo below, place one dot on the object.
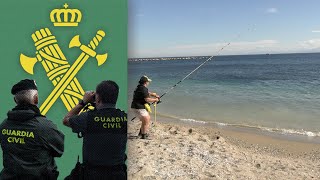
(29, 141)
(104, 132)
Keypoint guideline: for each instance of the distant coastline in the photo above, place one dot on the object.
(205, 57)
(168, 58)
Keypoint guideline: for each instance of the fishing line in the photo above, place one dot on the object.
(209, 59)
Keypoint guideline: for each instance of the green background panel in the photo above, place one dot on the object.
(19, 19)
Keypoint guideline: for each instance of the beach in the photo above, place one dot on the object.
(278, 92)
(190, 151)
(238, 117)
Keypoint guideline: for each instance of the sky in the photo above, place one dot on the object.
(166, 28)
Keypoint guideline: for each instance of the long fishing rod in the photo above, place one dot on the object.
(170, 89)
(210, 58)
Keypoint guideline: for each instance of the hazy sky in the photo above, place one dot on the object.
(160, 28)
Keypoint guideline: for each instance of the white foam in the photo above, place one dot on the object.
(311, 134)
(276, 130)
(292, 131)
(221, 124)
(269, 129)
(193, 120)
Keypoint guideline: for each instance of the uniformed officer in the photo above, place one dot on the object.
(29, 141)
(104, 132)
(140, 104)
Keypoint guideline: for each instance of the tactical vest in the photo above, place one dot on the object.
(108, 120)
(24, 150)
(106, 137)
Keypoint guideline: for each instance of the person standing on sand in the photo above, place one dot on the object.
(140, 104)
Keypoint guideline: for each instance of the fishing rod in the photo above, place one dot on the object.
(170, 89)
(210, 58)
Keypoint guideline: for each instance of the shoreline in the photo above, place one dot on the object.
(185, 151)
(249, 137)
(254, 130)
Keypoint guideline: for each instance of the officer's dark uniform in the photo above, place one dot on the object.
(29, 143)
(104, 142)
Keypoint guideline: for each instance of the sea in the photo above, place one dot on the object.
(277, 93)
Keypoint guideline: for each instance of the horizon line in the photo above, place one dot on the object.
(223, 55)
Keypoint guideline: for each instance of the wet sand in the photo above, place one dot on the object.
(186, 151)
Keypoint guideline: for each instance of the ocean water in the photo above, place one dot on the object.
(276, 93)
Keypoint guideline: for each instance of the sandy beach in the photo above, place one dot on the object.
(184, 151)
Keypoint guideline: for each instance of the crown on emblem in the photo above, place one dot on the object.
(65, 17)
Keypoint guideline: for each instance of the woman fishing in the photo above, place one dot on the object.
(142, 97)
(140, 104)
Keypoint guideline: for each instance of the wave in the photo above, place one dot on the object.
(293, 131)
(267, 129)
(193, 120)
(182, 119)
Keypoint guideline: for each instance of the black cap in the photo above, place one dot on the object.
(25, 84)
(144, 79)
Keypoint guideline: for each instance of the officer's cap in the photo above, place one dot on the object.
(26, 84)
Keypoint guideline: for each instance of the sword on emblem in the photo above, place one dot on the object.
(59, 72)
(87, 52)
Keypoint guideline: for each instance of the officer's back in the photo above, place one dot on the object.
(104, 132)
(28, 140)
(104, 141)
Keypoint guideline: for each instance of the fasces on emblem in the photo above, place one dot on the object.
(59, 71)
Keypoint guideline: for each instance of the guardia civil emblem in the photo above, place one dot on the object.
(58, 70)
